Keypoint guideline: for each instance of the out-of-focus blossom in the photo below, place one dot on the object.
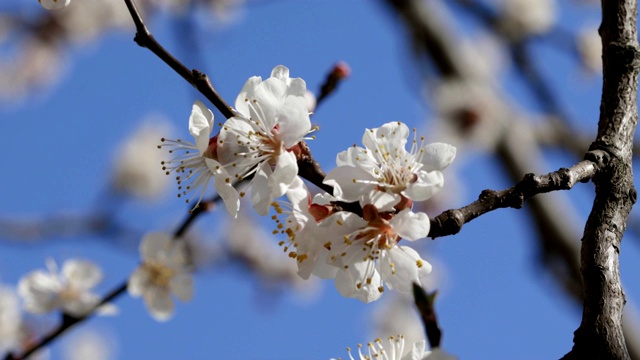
(395, 314)
(470, 113)
(251, 245)
(10, 320)
(89, 344)
(136, 171)
(483, 56)
(261, 141)
(521, 18)
(37, 63)
(162, 273)
(54, 4)
(590, 48)
(68, 290)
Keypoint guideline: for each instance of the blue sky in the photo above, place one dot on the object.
(496, 302)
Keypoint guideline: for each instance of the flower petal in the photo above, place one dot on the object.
(285, 172)
(200, 125)
(426, 185)
(401, 266)
(138, 282)
(350, 183)
(182, 285)
(82, 274)
(411, 226)
(353, 282)
(154, 246)
(260, 192)
(159, 303)
(437, 156)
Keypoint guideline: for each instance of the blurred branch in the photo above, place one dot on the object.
(424, 304)
(69, 321)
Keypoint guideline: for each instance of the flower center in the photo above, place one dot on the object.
(159, 275)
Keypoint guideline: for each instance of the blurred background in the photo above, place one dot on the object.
(513, 84)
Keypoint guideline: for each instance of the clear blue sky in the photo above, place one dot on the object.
(496, 303)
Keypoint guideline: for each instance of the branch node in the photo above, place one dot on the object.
(599, 157)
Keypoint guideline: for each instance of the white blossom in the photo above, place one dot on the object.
(68, 290)
(590, 48)
(136, 170)
(10, 319)
(525, 17)
(368, 254)
(272, 119)
(162, 272)
(394, 350)
(197, 162)
(384, 172)
(305, 230)
(54, 4)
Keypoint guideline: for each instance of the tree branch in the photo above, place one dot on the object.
(600, 333)
(450, 222)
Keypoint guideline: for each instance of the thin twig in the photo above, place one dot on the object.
(450, 222)
(194, 77)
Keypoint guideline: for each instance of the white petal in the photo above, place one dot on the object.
(419, 351)
(138, 282)
(233, 140)
(280, 72)
(283, 175)
(439, 354)
(438, 156)
(401, 266)
(294, 121)
(81, 274)
(54, 4)
(383, 201)
(200, 125)
(39, 290)
(298, 194)
(427, 185)
(347, 281)
(347, 182)
(242, 100)
(260, 192)
(225, 187)
(155, 245)
(182, 286)
(389, 137)
(159, 303)
(411, 226)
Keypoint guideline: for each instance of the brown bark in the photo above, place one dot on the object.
(600, 333)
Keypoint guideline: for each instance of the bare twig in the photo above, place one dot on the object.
(424, 303)
(451, 221)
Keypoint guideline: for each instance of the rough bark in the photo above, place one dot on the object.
(600, 333)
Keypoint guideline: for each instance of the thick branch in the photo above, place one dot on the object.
(600, 333)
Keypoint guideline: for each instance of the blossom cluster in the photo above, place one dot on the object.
(379, 183)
